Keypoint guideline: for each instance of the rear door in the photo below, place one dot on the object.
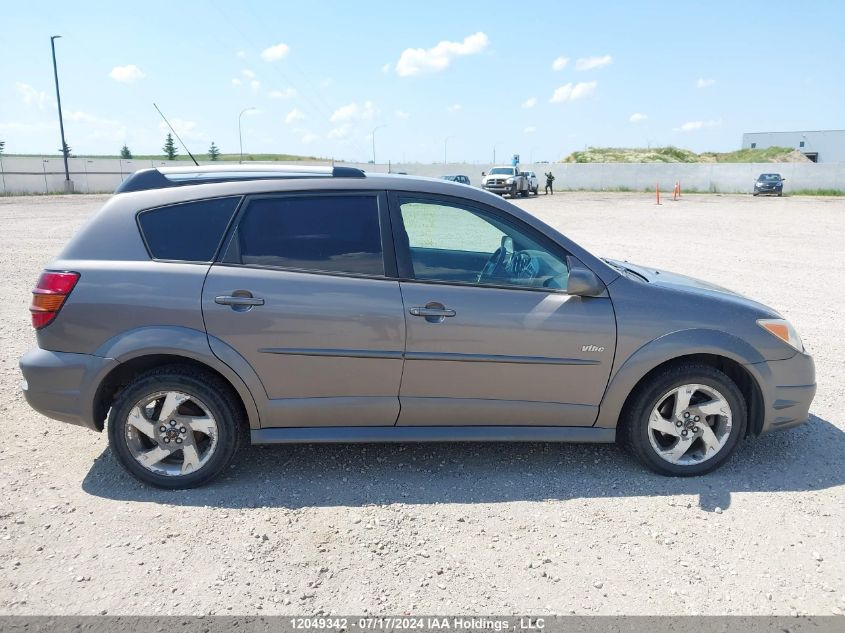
(303, 294)
(492, 336)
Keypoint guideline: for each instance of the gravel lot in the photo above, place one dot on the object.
(452, 529)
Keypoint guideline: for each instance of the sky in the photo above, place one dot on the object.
(453, 80)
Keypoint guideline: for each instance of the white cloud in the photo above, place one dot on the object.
(589, 63)
(401, 114)
(415, 61)
(31, 96)
(287, 93)
(295, 115)
(354, 112)
(240, 54)
(704, 83)
(692, 126)
(637, 117)
(341, 132)
(126, 74)
(386, 68)
(275, 53)
(308, 137)
(255, 85)
(530, 102)
(249, 74)
(530, 129)
(455, 107)
(236, 82)
(186, 129)
(572, 92)
(560, 63)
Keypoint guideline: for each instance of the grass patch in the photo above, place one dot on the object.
(671, 154)
(817, 192)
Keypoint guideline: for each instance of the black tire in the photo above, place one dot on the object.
(513, 191)
(633, 425)
(214, 393)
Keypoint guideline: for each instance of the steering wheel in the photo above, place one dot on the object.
(499, 261)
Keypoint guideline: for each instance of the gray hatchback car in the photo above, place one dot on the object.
(203, 307)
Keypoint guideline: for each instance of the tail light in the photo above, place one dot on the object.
(49, 296)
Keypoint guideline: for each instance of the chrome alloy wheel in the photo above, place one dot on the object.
(690, 424)
(171, 433)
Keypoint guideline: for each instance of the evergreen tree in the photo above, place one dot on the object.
(125, 153)
(2, 145)
(67, 151)
(169, 147)
(213, 152)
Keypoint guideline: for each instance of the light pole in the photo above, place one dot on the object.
(68, 185)
(446, 145)
(240, 133)
(495, 145)
(373, 135)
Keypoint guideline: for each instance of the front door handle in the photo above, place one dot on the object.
(433, 312)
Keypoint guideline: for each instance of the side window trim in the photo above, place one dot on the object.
(403, 254)
(386, 235)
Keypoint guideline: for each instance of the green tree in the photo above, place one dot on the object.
(124, 152)
(213, 152)
(2, 145)
(67, 150)
(170, 147)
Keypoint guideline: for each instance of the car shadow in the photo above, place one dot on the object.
(809, 457)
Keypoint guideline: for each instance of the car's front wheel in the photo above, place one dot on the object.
(175, 427)
(687, 420)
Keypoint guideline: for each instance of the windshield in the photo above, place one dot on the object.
(769, 177)
(502, 170)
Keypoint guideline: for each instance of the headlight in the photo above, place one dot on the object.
(783, 330)
(509, 181)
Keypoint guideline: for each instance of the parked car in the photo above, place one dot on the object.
(533, 182)
(771, 184)
(506, 181)
(203, 306)
(460, 179)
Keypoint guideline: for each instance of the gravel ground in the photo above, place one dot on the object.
(452, 529)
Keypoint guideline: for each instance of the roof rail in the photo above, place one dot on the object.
(164, 177)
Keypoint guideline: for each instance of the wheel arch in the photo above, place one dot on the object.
(737, 359)
(146, 348)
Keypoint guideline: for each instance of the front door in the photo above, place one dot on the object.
(492, 336)
(302, 294)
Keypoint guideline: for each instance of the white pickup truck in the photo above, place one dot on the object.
(511, 181)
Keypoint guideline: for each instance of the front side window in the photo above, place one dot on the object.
(338, 234)
(452, 243)
(190, 231)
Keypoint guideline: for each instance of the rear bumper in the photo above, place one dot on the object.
(791, 388)
(63, 386)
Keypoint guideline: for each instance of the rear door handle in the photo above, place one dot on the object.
(240, 303)
(432, 312)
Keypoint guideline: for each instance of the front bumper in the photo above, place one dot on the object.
(768, 190)
(62, 385)
(788, 390)
(500, 189)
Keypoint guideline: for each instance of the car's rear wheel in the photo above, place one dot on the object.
(175, 427)
(687, 420)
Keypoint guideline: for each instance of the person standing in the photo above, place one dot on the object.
(550, 178)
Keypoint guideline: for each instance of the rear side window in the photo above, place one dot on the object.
(316, 233)
(190, 231)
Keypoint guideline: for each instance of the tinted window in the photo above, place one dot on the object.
(466, 245)
(190, 231)
(325, 233)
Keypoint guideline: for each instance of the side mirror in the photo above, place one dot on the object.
(583, 282)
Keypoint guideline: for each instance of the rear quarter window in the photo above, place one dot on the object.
(189, 231)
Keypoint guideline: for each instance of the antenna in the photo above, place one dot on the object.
(185, 147)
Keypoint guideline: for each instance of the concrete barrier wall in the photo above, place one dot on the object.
(92, 175)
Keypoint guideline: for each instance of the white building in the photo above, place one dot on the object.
(820, 146)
